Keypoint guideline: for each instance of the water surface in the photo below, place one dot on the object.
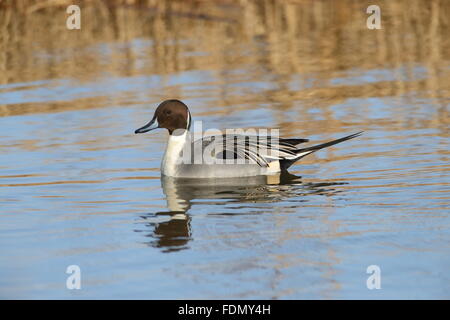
(77, 187)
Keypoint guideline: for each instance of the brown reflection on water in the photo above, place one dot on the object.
(310, 42)
(171, 230)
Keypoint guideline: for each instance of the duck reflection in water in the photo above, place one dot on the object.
(172, 228)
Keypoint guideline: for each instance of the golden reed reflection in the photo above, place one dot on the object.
(297, 41)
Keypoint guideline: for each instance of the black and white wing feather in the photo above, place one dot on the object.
(260, 150)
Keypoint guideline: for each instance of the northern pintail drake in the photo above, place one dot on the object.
(223, 155)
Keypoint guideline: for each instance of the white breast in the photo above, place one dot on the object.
(172, 156)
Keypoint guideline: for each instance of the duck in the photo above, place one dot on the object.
(223, 155)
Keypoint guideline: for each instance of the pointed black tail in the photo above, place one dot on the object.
(285, 164)
(326, 144)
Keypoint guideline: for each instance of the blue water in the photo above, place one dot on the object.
(77, 187)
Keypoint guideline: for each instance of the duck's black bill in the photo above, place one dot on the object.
(148, 127)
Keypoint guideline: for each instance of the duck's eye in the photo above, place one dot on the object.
(168, 112)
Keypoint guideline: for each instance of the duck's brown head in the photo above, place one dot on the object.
(170, 114)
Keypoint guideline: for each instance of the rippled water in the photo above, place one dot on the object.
(77, 187)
